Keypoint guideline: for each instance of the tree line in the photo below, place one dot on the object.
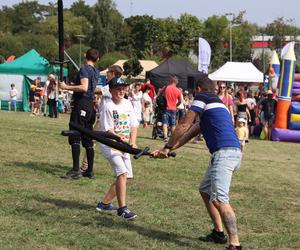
(28, 25)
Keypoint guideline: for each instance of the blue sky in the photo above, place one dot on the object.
(258, 11)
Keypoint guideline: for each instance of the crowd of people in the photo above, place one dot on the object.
(45, 98)
(225, 118)
(251, 111)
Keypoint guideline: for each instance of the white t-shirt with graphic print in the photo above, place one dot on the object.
(118, 117)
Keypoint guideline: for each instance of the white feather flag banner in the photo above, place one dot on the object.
(204, 55)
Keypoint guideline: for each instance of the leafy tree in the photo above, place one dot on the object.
(277, 29)
(215, 32)
(80, 8)
(10, 45)
(107, 22)
(25, 16)
(110, 58)
(73, 26)
(168, 36)
(144, 34)
(132, 67)
(188, 30)
(242, 33)
(21, 43)
(6, 14)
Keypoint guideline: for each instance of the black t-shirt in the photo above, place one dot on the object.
(268, 107)
(242, 107)
(90, 72)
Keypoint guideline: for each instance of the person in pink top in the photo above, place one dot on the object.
(173, 97)
(152, 93)
(226, 98)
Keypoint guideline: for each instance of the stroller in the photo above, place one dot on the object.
(157, 130)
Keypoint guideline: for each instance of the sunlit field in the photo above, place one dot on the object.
(39, 210)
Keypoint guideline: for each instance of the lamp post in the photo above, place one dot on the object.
(80, 37)
(230, 33)
(263, 53)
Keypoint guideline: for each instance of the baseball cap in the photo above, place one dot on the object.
(116, 82)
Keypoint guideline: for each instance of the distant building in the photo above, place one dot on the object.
(260, 43)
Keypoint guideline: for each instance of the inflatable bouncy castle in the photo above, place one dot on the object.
(287, 120)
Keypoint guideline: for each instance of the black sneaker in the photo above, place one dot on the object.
(89, 175)
(231, 247)
(74, 175)
(214, 236)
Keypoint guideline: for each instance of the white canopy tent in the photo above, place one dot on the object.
(146, 64)
(237, 72)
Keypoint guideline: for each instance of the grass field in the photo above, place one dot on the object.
(39, 210)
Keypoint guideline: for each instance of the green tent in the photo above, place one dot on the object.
(22, 71)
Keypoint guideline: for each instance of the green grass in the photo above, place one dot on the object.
(39, 210)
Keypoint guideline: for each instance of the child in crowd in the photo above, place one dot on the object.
(146, 106)
(241, 131)
(60, 104)
(118, 117)
(13, 93)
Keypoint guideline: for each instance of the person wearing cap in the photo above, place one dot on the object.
(209, 115)
(83, 112)
(118, 117)
(266, 113)
(241, 132)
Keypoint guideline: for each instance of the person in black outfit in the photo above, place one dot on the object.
(83, 113)
(266, 112)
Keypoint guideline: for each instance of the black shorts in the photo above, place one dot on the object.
(83, 114)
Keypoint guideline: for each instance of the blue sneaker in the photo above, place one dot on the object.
(105, 207)
(126, 214)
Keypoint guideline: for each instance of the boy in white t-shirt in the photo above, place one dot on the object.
(118, 117)
(13, 94)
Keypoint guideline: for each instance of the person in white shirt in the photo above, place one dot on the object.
(118, 117)
(147, 106)
(13, 94)
(252, 106)
(136, 99)
(47, 82)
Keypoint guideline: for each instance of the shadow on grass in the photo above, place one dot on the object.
(154, 234)
(105, 220)
(48, 168)
(65, 203)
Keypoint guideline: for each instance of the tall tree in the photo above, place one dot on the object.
(107, 22)
(188, 30)
(6, 15)
(73, 25)
(80, 8)
(215, 32)
(242, 33)
(26, 15)
(144, 34)
(278, 29)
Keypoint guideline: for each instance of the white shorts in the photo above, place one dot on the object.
(119, 162)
